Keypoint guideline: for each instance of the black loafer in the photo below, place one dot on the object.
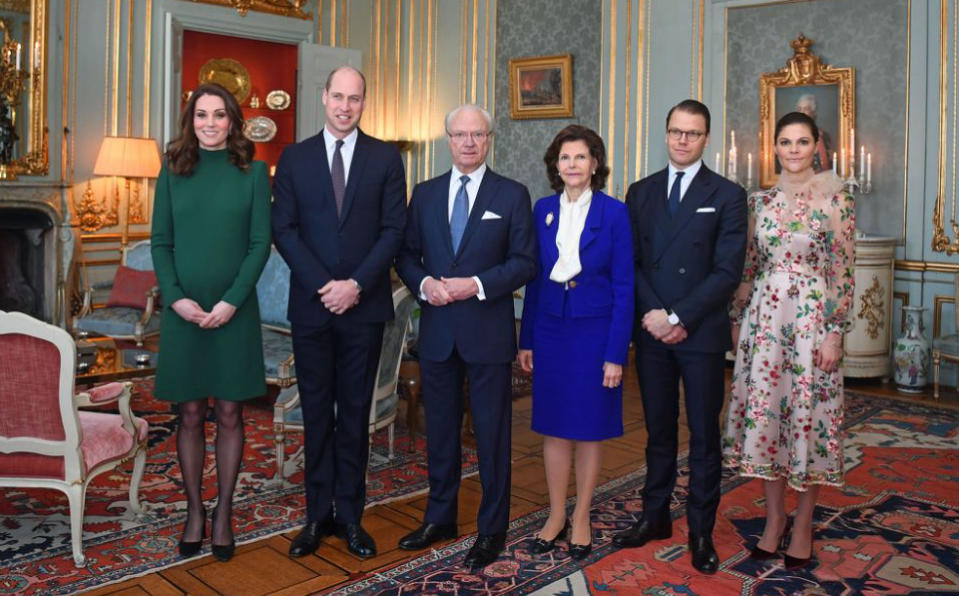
(541, 545)
(357, 540)
(704, 554)
(485, 550)
(308, 540)
(426, 535)
(642, 532)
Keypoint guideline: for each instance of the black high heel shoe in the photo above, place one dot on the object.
(761, 554)
(541, 546)
(578, 552)
(223, 552)
(189, 548)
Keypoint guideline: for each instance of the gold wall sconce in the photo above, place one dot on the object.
(130, 158)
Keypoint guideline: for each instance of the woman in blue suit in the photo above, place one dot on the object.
(577, 320)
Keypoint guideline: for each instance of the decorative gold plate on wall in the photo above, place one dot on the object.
(278, 99)
(228, 73)
(259, 129)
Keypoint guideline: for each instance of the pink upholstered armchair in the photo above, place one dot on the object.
(46, 441)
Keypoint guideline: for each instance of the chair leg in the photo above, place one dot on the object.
(75, 496)
(936, 360)
(139, 464)
(390, 434)
(280, 454)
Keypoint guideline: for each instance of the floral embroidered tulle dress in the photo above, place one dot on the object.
(785, 414)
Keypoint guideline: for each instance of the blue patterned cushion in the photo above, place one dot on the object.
(277, 347)
(384, 407)
(273, 291)
(138, 256)
(114, 321)
(948, 344)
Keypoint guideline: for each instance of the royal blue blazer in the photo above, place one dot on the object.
(604, 288)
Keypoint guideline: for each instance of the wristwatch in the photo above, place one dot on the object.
(673, 318)
(356, 284)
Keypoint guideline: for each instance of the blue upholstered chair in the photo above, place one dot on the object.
(122, 322)
(946, 347)
(288, 415)
(273, 294)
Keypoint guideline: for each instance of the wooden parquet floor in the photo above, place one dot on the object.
(263, 568)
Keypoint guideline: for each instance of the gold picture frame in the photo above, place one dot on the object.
(833, 93)
(541, 87)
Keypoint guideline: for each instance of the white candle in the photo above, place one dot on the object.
(852, 143)
(749, 166)
(842, 162)
(869, 168)
(18, 55)
(862, 161)
(719, 163)
(835, 164)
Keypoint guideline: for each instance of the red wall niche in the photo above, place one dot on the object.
(271, 66)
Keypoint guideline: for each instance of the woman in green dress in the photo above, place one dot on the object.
(211, 239)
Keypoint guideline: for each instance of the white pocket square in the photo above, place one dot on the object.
(706, 210)
(491, 215)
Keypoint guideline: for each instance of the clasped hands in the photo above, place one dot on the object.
(338, 296)
(190, 311)
(612, 373)
(449, 289)
(656, 322)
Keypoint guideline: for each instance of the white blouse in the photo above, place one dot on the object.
(572, 219)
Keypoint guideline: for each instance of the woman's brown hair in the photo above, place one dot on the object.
(183, 152)
(597, 150)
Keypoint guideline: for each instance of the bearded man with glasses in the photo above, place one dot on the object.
(689, 231)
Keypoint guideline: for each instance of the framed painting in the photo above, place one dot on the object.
(541, 87)
(825, 93)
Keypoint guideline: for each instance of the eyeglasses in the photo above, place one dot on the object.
(479, 137)
(691, 135)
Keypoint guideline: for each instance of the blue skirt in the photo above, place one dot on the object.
(569, 400)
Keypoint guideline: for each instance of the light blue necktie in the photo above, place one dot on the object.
(461, 213)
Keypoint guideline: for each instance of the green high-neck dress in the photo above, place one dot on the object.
(210, 241)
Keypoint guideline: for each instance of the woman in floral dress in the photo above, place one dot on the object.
(786, 403)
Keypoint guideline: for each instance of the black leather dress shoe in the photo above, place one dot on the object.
(704, 554)
(357, 540)
(642, 532)
(426, 535)
(308, 540)
(541, 545)
(485, 550)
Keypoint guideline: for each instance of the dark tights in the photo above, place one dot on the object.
(191, 448)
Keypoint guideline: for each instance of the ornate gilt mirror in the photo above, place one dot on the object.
(23, 112)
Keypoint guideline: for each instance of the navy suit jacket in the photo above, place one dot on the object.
(359, 244)
(500, 251)
(692, 262)
(604, 287)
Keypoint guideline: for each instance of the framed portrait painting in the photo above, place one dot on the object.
(825, 93)
(541, 87)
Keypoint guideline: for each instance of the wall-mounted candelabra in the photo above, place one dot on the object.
(12, 78)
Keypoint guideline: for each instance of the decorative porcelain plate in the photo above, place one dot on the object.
(228, 73)
(259, 129)
(278, 99)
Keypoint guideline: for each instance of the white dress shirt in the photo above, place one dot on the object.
(572, 220)
(346, 151)
(472, 189)
(688, 174)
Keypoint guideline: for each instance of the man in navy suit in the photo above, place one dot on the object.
(469, 244)
(689, 231)
(338, 216)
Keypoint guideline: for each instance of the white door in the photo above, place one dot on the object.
(316, 62)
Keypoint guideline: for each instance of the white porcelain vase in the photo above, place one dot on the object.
(911, 353)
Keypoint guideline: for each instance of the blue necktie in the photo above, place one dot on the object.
(461, 213)
(674, 194)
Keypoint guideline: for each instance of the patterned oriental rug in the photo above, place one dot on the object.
(893, 529)
(35, 555)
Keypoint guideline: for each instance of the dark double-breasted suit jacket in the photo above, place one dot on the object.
(336, 355)
(690, 263)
